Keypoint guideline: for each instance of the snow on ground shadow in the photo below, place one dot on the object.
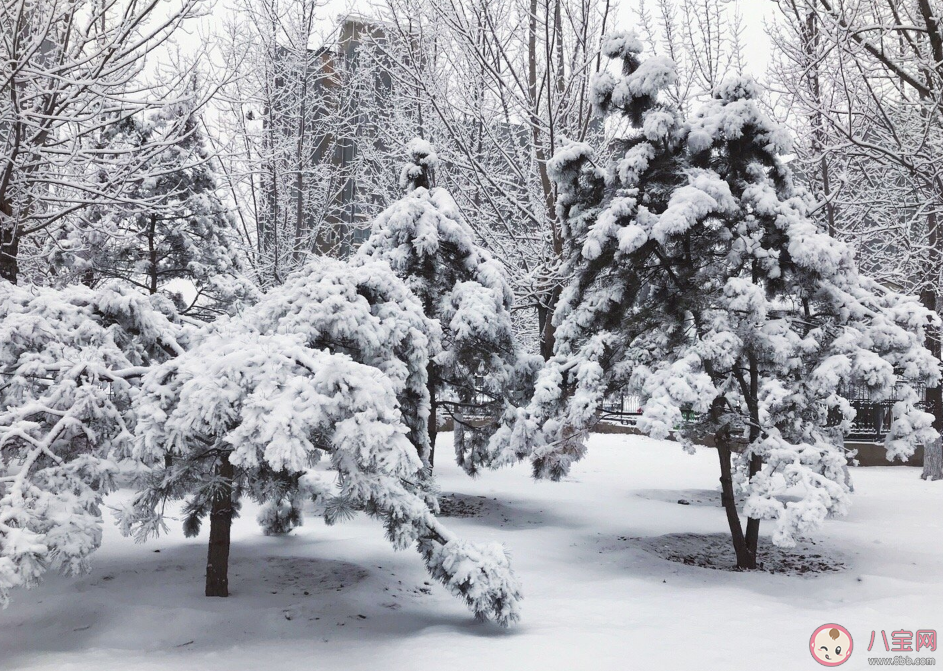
(590, 552)
(712, 551)
(715, 551)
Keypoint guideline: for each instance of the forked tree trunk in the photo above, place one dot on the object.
(745, 559)
(217, 559)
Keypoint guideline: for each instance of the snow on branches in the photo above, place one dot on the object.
(171, 230)
(68, 361)
(70, 70)
(431, 247)
(366, 313)
(700, 282)
(317, 391)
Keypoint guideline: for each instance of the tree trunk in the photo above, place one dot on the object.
(548, 338)
(933, 461)
(745, 559)
(819, 136)
(433, 431)
(933, 395)
(752, 395)
(9, 252)
(753, 523)
(300, 160)
(217, 559)
(548, 332)
(152, 266)
(543, 321)
(433, 407)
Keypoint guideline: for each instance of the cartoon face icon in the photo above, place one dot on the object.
(830, 645)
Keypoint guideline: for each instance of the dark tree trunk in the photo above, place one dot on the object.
(9, 252)
(432, 385)
(152, 269)
(549, 339)
(745, 559)
(548, 332)
(751, 392)
(433, 431)
(753, 523)
(934, 395)
(932, 466)
(217, 559)
(543, 319)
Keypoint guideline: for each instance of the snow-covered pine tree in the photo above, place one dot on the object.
(480, 371)
(381, 325)
(69, 361)
(330, 364)
(699, 281)
(171, 232)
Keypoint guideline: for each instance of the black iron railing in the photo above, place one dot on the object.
(622, 408)
(872, 417)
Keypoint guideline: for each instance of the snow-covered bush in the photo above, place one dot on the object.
(481, 370)
(317, 391)
(699, 281)
(69, 360)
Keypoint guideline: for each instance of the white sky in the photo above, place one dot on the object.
(754, 12)
(755, 41)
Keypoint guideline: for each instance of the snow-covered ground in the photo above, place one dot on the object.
(595, 598)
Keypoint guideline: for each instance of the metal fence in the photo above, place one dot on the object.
(622, 408)
(872, 417)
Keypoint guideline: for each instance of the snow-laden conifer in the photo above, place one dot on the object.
(698, 280)
(172, 234)
(69, 361)
(479, 372)
(318, 391)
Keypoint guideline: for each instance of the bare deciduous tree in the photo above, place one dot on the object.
(499, 86)
(70, 69)
(288, 131)
(861, 84)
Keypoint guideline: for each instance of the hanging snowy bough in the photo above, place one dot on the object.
(365, 312)
(304, 395)
(69, 361)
